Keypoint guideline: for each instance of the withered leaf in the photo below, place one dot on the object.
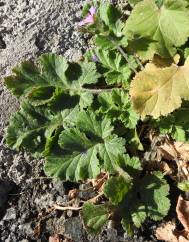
(182, 210)
(167, 232)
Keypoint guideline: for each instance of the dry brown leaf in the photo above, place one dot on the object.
(98, 183)
(167, 232)
(179, 152)
(154, 165)
(73, 193)
(182, 210)
(168, 151)
(55, 238)
(171, 151)
(165, 168)
(183, 150)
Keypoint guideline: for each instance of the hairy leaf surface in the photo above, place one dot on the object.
(39, 84)
(80, 148)
(148, 198)
(139, 199)
(31, 128)
(111, 17)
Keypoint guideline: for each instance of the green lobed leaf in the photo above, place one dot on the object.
(29, 78)
(80, 147)
(186, 53)
(154, 191)
(127, 226)
(138, 215)
(132, 165)
(39, 84)
(94, 216)
(110, 15)
(133, 140)
(117, 70)
(69, 117)
(140, 198)
(175, 124)
(31, 128)
(165, 27)
(116, 105)
(116, 189)
(148, 199)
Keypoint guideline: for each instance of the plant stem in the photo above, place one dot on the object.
(120, 49)
(97, 91)
(139, 63)
(126, 58)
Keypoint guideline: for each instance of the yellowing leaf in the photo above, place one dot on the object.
(159, 91)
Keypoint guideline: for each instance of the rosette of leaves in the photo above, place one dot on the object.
(57, 119)
(132, 197)
(80, 118)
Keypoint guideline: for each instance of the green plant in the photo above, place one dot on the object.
(87, 117)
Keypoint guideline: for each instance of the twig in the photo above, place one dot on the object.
(58, 207)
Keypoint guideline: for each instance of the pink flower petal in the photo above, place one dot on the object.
(90, 17)
(81, 23)
(88, 20)
(92, 11)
